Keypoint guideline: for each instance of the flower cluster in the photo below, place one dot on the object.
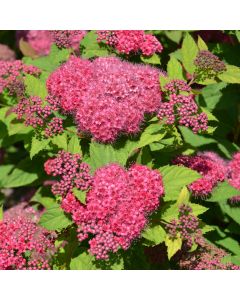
(70, 82)
(180, 106)
(117, 207)
(23, 244)
(208, 65)
(206, 257)
(209, 165)
(186, 226)
(67, 38)
(130, 41)
(234, 175)
(10, 76)
(41, 40)
(6, 53)
(71, 171)
(39, 115)
(109, 96)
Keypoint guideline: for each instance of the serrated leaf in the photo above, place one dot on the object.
(173, 245)
(195, 140)
(54, 218)
(163, 81)
(222, 192)
(80, 195)
(174, 35)
(231, 211)
(184, 196)
(35, 86)
(155, 234)
(154, 59)
(201, 44)
(90, 46)
(174, 178)
(74, 145)
(197, 209)
(231, 75)
(152, 133)
(52, 61)
(84, 261)
(60, 140)
(38, 145)
(23, 174)
(21, 128)
(174, 69)
(4, 171)
(230, 244)
(189, 53)
(102, 154)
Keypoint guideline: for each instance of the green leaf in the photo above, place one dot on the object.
(84, 261)
(184, 196)
(38, 145)
(173, 245)
(201, 44)
(231, 75)
(152, 133)
(54, 218)
(189, 53)
(4, 171)
(154, 59)
(35, 86)
(102, 154)
(47, 202)
(197, 209)
(174, 69)
(231, 211)
(230, 244)
(174, 35)
(163, 81)
(80, 195)
(18, 128)
(60, 140)
(193, 139)
(155, 234)
(170, 212)
(74, 145)
(90, 46)
(23, 174)
(174, 178)
(222, 192)
(52, 61)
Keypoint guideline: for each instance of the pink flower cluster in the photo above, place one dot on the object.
(11, 73)
(38, 115)
(71, 171)
(23, 244)
(117, 207)
(107, 96)
(206, 257)
(186, 226)
(234, 175)
(6, 53)
(130, 41)
(212, 168)
(181, 107)
(67, 38)
(41, 40)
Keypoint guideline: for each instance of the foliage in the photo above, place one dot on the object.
(27, 154)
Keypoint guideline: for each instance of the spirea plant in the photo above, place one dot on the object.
(119, 150)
